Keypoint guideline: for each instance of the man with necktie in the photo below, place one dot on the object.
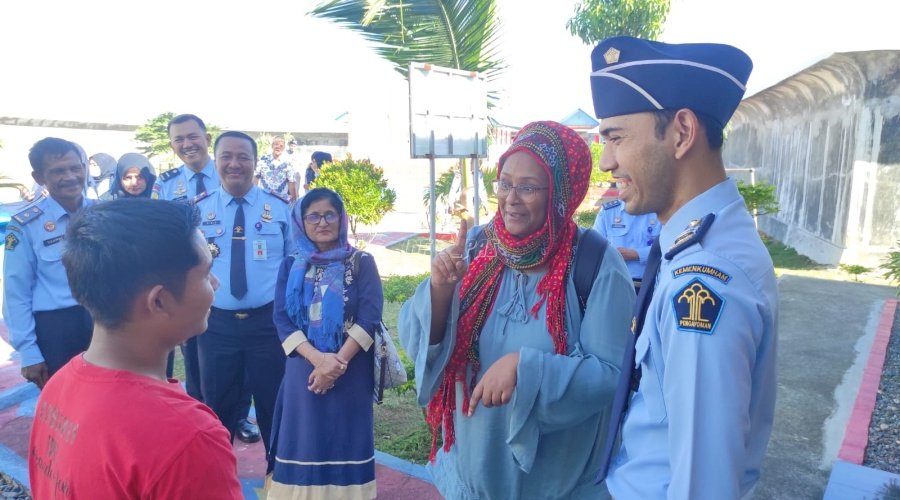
(698, 387)
(248, 233)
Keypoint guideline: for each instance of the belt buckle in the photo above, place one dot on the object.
(241, 315)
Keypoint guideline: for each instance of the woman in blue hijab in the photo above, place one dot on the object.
(328, 304)
(134, 177)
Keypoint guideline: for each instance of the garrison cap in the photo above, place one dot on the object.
(630, 75)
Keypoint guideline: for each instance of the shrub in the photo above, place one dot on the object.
(759, 197)
(891, 266)
(855, 270)
(400, 288)
(362, 186)
(586, 218)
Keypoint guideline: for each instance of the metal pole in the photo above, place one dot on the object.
(476, 174)
(753, 183)
(433, 200)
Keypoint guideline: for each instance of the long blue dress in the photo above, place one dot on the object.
(545, 443)
(323, 445)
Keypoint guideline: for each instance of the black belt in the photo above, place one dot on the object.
(243, 314)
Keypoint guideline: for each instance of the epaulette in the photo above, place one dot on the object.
(200, 197)
(692, 234)
(30, 213)
(611, 204)
(169, 174)
(277, 195)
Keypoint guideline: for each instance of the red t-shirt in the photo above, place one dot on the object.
(101, 433)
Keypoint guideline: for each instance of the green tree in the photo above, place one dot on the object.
(459, 34)
(363, 188)
(155, 136)
(596, 20)
(759, 198)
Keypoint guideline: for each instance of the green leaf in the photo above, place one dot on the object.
(596, 20)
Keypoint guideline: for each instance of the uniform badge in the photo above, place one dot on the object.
(652, 222)
(611, 56)
(213, 249)
(11, 242)
(267, 213)
(710, 271)
(617, 220)
(49, 226)
(258, 226)
(180, 190)
(238, 230)
(219, 230)
(259, 250)
(697, 308)
(210, 215)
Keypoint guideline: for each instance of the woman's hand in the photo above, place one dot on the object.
(497, 385)
(328, 368)
(449, 265)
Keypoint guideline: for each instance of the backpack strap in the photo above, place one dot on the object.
(589, 251)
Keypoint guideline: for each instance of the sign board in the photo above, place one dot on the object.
(452, 105)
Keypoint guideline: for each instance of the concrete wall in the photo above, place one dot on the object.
(828, 138)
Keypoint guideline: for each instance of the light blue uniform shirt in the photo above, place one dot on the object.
(629, 231)
(34, 278)
(267, 242)
(545, 443)
(180, 184)
(699, 424)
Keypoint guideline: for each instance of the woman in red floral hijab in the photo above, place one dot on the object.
(505, 332)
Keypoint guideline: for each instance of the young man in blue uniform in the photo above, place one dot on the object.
(631, 235)
(248, 233)
(46, 325)
(703, 360)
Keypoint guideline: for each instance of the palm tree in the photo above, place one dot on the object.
(459, 34)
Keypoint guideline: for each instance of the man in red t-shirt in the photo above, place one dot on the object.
(109, 424)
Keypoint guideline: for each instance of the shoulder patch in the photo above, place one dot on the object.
(691, 235)
(12, 241)
(29, 214)
(277, 195)
(710, 271)
(612, 204)
(697, 307)
(170, 174)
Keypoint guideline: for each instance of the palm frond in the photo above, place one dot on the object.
(460, 34)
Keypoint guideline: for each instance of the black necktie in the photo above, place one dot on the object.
(201, 188)
(629, 376)
(238, 266)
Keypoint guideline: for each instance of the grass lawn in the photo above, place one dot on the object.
(785, 257)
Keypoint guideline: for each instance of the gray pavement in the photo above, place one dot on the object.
(825, 331)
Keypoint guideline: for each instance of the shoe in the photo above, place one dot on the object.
(248, 431)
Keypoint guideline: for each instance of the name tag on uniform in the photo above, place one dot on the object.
(259, 250)
(618, 226)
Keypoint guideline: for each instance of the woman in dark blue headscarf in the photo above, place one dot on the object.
(134, 177)
(328, 305)
(319, 158)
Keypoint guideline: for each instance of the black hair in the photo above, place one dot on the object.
(317, 194)
(238, 135)
(51, 147)
(321, 157)
(185, 118)
(117, 249)
(714, 135)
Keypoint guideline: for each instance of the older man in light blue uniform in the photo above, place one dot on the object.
(248, 233)
(46, 325)
(631, 235)
(703, 360)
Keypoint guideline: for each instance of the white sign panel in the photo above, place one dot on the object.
(452, 105)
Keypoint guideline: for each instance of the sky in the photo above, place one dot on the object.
(264, 65)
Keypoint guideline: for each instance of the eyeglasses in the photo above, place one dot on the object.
(314, 218)
(525, 191)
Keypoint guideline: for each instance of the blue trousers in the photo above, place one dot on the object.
(241, 348)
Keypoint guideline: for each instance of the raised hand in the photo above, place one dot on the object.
(449, 265)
